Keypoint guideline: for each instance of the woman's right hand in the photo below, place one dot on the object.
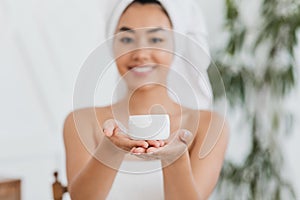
(120, 139)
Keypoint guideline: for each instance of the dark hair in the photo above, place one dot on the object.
(147, 2)
(143, 2)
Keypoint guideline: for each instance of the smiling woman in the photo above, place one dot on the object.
(139, 42)
(144, 53)
(139, 53)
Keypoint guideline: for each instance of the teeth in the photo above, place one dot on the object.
(142, 69)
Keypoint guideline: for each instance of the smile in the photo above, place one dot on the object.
(142, 70)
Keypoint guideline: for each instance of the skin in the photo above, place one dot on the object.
(189, 177)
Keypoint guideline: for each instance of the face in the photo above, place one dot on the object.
(143, 45)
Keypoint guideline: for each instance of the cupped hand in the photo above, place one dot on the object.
(153, 145)
(173, 148)
(120, 139)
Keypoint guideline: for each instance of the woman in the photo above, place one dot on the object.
(145, 70)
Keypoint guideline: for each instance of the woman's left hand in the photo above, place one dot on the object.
(173, 148)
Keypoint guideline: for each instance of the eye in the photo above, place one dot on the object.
(126, 40)
(156, 40)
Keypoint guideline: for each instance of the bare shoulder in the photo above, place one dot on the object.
(213, 131)
(82, 116)
(87, 115)
(85, 122)
(209, 118)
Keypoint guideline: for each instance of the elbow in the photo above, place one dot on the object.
(73, 192)
(76, 193)
(79, 192)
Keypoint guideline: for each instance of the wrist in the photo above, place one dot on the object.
(183, 162)
(109, 154)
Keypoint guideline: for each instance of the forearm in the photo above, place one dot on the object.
(94, 181)
(178, 180)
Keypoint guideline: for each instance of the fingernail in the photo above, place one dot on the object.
(186, 134)
(105, 131)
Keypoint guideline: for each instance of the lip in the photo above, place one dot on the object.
(142, 70)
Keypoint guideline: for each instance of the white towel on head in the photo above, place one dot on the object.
(191, 46)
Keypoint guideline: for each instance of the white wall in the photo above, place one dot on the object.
(42, 45)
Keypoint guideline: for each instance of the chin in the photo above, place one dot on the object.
(143, 86)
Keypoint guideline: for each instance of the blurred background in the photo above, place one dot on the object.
(43, 44)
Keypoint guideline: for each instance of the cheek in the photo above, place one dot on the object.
(164, 58)
(121, 63)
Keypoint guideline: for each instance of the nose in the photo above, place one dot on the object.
(141, 54)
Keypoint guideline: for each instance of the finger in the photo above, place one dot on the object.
(132, 150)
(154, 143)
(139, 150)
(137, 143)
(151, 149)
(122, 141)
(115, 134)
(116, 131)
(162, 143)
(186, 136)
(109, 126)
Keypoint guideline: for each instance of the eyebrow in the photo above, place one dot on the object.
(126, 29)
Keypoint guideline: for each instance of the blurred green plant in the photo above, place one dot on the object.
(259, 72)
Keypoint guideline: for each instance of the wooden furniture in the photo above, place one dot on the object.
(58, 189)
(10, 189)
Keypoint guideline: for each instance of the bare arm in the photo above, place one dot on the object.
(191, 177)
(88, 178)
